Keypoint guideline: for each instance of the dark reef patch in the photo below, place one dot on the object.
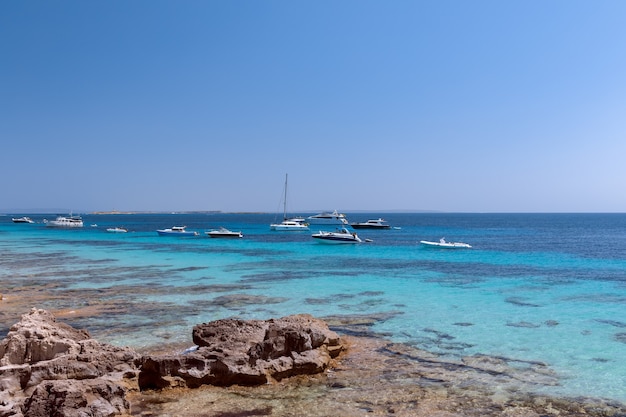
(359, 324)
(520, 301)
(613, 323)
(523, 324)
(620, 337)
(233, 301)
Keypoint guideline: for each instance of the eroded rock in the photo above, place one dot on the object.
(253, 352)
(48, 368)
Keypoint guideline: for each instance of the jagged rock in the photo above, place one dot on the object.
(38, 337)
(253, 352)
(49, 368)
(72, 398)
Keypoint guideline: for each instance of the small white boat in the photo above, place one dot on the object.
(371, 224)
(340, 236)
(72, 221)
(117, 230)
(22, 220)
(223, 232)
(176, 231)
(328, 218)
(445, 245)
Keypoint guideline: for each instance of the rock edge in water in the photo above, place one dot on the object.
(49, 368)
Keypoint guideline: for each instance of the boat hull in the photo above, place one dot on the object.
(177, 234)
(335, 241)
(289, 227)
(225, 235)
(336, 237)
(333, 219)
(328, 222)
(22, 220)
(446, 245)
(369, 226)
(65, 222)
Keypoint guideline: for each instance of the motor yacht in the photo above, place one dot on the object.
(371, 224)
(328, 218)
(445, 244)
(340, 236)
(22, 220)
(176, 231)
(61, 221)
(223, 232)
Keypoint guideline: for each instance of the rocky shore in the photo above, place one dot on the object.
(292, 366)
(48, 368)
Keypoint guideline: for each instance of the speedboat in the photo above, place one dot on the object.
(72, 221)
(290, 224)
(223, 232)
(328, 218)
(445, 245)
(117, 230)
(340, 236)
(22, 220)
(372, 224)
(176, 231)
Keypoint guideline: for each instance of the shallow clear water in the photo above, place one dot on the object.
(534, 287)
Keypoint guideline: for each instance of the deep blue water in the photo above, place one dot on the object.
(534, 287)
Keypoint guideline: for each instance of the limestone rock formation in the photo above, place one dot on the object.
(241, 352)
(49, 368)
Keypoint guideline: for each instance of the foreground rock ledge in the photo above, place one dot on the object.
(49, 368)
(242, 352)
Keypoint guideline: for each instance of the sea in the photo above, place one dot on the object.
(544, 289)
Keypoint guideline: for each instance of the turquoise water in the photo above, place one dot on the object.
(549, 288)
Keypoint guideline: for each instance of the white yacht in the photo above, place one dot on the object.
(22, 220)
(223, 232)
(339, 236)
(445, 244)
(289, 224)
(371, 224)
(176, 231)
(71, 221)
(328, 218)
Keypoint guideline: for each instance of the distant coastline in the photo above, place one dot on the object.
(156, 212)
(129, 212)
(8, 212)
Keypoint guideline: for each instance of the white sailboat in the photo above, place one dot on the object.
(293, 224)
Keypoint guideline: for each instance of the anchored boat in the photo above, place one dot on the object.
(176, 231)
(445, 244)
(223, 232)
(340, 236)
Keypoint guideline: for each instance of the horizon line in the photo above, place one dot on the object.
(4, 212)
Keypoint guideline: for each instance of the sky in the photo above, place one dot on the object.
(446, 105)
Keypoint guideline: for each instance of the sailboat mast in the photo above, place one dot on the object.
(285, 200)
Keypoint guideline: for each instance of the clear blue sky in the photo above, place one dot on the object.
(453, 105)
